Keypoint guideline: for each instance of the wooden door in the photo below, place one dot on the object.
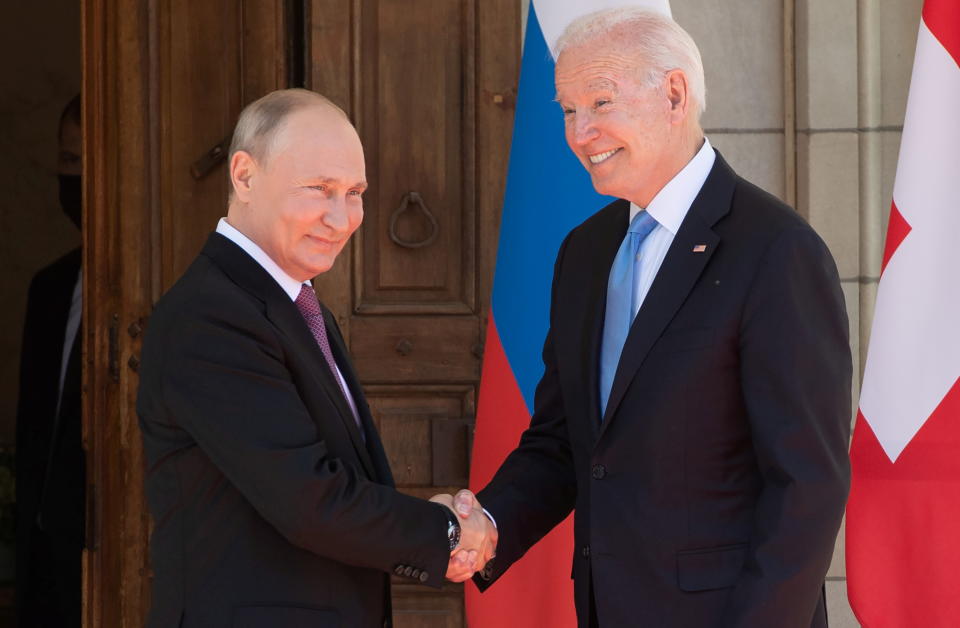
(431, 86)
(163, 83)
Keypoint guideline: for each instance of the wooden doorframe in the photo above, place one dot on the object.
(120, 160)
(127, 165)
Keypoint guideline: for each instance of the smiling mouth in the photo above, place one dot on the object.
(324, 241)
(602, 157)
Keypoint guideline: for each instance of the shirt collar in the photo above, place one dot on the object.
(290, 285)
(671, 204)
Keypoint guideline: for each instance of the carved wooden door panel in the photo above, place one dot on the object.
(431, 87)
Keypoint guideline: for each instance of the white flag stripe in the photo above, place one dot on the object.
(914, 354)
(555, 15)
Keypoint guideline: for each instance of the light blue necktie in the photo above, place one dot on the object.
(621, 294)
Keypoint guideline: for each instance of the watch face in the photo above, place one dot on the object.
(453, 533)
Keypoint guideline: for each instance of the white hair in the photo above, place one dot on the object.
(658, 41)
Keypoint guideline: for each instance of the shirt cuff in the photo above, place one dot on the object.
(490, 517)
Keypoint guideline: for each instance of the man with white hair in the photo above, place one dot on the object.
(695, 405)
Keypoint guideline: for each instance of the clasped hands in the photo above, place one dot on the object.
(478, 536)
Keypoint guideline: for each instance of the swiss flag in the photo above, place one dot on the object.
(903, 518)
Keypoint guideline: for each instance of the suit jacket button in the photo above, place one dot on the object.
(424, 576)
(585, 551)
(398, 570)
(599, 471)
(416, 574)
(408, 571)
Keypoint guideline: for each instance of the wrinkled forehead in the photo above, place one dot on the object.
(594, 66)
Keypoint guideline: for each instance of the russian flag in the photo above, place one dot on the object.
(548, 193)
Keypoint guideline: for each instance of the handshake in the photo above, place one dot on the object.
(478, 536)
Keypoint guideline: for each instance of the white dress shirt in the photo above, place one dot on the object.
(290, 285)
(70, 334)
(669, 207)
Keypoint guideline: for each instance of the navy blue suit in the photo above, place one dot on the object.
(711, 492)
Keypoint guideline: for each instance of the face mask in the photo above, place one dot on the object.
(70, 197)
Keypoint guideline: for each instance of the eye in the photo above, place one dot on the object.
(600, 103)
(357, 193)
(320, 187)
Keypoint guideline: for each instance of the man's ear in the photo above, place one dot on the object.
(678, 94)
(243, 168)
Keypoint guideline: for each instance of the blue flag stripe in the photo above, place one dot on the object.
(548, 193)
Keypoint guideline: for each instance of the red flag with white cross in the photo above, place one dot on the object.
(903, 518)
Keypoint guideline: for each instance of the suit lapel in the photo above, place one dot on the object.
(283, 313)
(374, 447)
(680, 270)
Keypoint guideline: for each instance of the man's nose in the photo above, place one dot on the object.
(336, 216)
(584, 129)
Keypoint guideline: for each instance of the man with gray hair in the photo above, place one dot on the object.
(695, 407)
(272, 499)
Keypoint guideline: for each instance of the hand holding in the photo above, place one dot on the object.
(478, 536)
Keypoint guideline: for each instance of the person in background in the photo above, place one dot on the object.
(49, 454)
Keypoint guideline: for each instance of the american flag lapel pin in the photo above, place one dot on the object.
(700, 248)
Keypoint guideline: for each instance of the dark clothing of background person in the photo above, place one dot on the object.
(49, 456)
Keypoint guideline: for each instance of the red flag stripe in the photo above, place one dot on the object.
(897, 230)
(942, 18)
(502, 416)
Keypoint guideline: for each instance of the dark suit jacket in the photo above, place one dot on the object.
(712, 491)
(269, 509)
(50, 462)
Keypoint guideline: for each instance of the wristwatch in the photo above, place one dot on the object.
(453, 529)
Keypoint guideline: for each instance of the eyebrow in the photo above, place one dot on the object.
(321, 179)
(603, 84)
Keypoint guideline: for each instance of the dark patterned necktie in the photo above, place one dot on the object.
(309, 307)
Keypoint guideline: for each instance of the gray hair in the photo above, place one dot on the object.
(261, 121)
(658, 40)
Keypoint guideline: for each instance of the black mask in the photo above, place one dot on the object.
(70, 196)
